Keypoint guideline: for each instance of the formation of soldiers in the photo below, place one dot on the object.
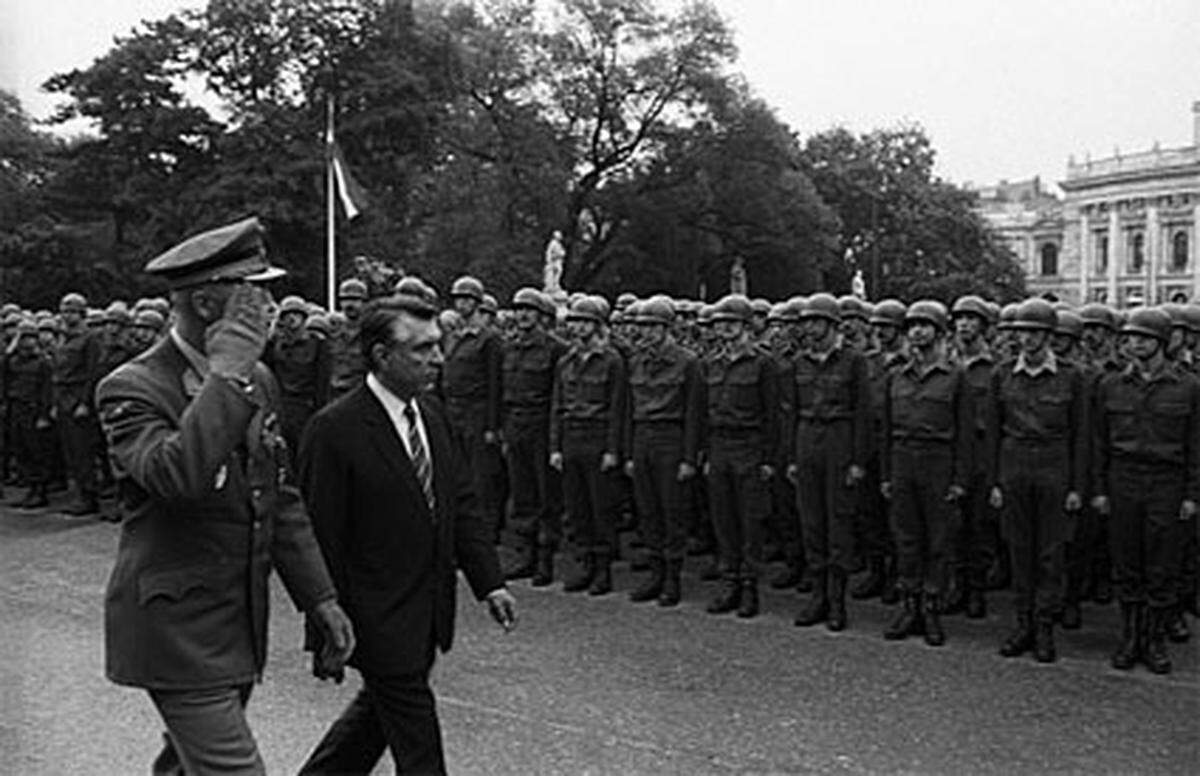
(938, 453)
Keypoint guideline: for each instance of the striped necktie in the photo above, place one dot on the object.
(420, 457)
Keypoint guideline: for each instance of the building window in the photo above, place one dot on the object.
(1135, 296)
(1179, 252)
(1100, 295)
(1137, 252)
(1102, 253)
(1049, 254)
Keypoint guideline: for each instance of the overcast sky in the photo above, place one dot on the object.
(1006, 89)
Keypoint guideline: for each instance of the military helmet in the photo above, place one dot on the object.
(1035, 314)
(605, 308)
(489, 304)
(1008, 314)
(656, 309)
(149, 319)
(1150, 321)
(586, 308)
(8, 308)
(1177, 315)
(704, 316)
(733, 307)
(1069, 323)
(48, 323)
(73, 301)
(1191, 314)
(13, 319)
(293, 304)
(527, 297)
(1097, 314)
(352, 288)
(889, 312)
(624, 299)
(117, 312)
(822, 306)
(411, 285)
(26, 326)
(971, 305)
(547, 304)
(796, 307)
(760, 306)
(467, 286)
(927, 311)
(852, 307)
(317, 322)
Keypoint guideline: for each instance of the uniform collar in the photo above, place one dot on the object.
(196, 360)
(1049, 365)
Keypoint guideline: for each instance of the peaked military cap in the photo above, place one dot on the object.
(233, 252)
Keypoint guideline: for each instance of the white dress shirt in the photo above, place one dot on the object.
(395, 406)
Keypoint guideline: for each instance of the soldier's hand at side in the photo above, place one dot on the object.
(885, 490)
(996, 499)
(42, 424)
(81, 412)
(490, 437)
(707, 468)
(955, 492)
(1101, 505)
(1187, 510)
(766, 471)
(792, 473)
(337, 634)
(235, 341)
(503, 608)
(556, 461)
(1073, 502)
(628, 469)
(686, 471)
(854, 475)
(54, 413)
(608, 462)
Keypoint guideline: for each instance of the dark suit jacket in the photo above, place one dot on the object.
(392, 561)
(210, 506)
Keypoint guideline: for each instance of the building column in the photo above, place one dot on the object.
(1115, 254)
(1085, 257)
(1152, 244)
(1194, 242)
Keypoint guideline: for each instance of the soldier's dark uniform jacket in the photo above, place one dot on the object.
(211, 507)
(302, 371)
(528, 374)
(76, 368)
(346, 364)
(471, 379)
(742, 396)
(589, 391)
(665, 388)
(112, 355)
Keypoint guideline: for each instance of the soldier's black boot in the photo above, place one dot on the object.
(807, 581)
(1043, 640)
(1071, 618)
(582, 579)
(543, 574)
(789, 576)
(1020, 640)
(837, 600)
(1177, 627)
(890, 594)
(36, 498)
(817, 608)
(1103, 585)
(651, 586)
(671, 588)
(955, 599)
(871, 585)
(905, 622)
(728, 598)
(999, 576)
(748, 606)
(1127, 654)
(711, 571)
(930, 609)
(1154, 653)
(602, 580)
(527, 564)
(87, 504)
(976, 603)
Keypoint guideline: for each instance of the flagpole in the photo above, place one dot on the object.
(330, 214)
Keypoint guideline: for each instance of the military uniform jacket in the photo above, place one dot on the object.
(26, 385)
(589, 388)
(210, 506)
(835, 389)
(347, 367)
(666, 387)
(471, 375)
(741, 390)
(301, 368)
(930, 405)
(528, 374)
(76, 368)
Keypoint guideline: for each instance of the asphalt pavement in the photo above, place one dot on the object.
(603, 686)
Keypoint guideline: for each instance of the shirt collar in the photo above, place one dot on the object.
(393, 403)
(1050, 365)
(984, 356)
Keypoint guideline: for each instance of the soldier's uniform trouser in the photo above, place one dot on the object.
(826, 503)
(783, 505)
(872, 535)
(468, 421)
(974, 546)
(1148, 538)
(536, 487)
(738, 501)
(31, 446)
(1081, 559)
(923, 521)
(79, 441)
(1033, 478)
(661, 497)
(590, 494)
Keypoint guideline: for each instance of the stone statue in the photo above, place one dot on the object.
(737, 277)
(858, 286)
(552, 271)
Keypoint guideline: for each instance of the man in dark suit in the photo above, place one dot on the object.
(210, 507)
(395, 516)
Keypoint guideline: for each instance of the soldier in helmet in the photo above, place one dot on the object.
(76, 368)
(742, 442)
(665, 403)
(530, 358)
(145, 330)
(26, 373)
(347, 368)
(854, 326)
(1146, 445)
(928, 436)
(471, 388)
(586, 431)
(1037, 423)
(785, 348)
(831, 435)
(302, 367)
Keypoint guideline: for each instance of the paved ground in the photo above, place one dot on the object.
(602, 686)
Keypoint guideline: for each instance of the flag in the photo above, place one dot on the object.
(351, 193)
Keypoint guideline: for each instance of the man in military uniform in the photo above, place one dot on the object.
(530, 360)
(1037, 421)
(471, 387)
(76, 367)
(586, 424)
(665, 401)
(742, 444)
(146, 328)
(787, 348)
(301, 365)
(211, 507)
(347, 368)
(26, 373)
(830, 444)
(928, 436)
(1146, 445)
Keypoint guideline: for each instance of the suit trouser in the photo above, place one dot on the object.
(207, 732)
(395, 713)
(739, 500)
(827, 505)
(79, 442)
(536, 487)
(923, 521)
(1033, 481)
(1148, 539)
(661, 499)
(591, 494)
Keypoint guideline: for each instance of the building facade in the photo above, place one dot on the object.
(1124, 231)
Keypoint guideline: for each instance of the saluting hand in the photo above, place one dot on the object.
(236, 340)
